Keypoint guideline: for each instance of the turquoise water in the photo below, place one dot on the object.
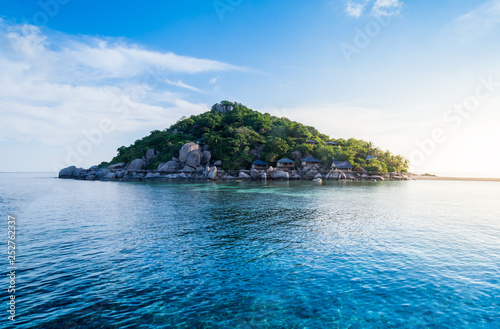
(414, 254)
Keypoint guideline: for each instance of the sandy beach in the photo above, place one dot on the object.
(471, 179)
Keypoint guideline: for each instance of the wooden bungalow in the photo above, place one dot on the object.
(332, 143)
(260, 165)
(309, 162)
(285, 164)
(311, 142)
(342, 165)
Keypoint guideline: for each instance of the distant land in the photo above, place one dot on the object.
(471, 179)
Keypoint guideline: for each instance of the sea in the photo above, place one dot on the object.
(92, 254)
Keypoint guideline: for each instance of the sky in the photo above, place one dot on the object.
(79, 79)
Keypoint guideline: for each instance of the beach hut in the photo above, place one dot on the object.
(285, 164)
(260, 165)
(309, 162)
(370, 157)
(342, 165)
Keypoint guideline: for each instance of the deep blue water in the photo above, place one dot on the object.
(415, 254)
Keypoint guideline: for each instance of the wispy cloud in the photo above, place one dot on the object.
(479, 21)
(214, 79)
(356, 8)
(183, 85)
(53, 86)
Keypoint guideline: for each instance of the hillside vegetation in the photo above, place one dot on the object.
(240, 136)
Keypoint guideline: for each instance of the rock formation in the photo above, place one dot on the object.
(194, 163)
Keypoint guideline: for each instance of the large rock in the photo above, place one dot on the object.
(243, 175)
(255, 174)
(101, 173)
(188, 170)
(351, 176)
(218, 163)
(79, 173)
(190, 155)
(311, 174)
(377, 178)
(318, 180)
(212, 173)
(221, 108)
(67, 172)
(206, 156)
(109, 176)
(278, 174)
(169, 167)
(136, 165)
(150, 154)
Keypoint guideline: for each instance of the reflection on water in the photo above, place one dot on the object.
(245, 255)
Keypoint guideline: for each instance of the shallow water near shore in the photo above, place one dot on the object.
(409, 254)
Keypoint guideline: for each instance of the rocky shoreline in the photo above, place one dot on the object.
(194, 164)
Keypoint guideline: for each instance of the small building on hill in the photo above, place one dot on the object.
(285, 164)
(260, 165)
(311, 142)
(370, 157)
(332, 143)
(342, 165)
(309, 162)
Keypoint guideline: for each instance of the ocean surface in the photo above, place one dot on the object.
(413, 254)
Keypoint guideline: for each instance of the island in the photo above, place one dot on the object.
(233, 142)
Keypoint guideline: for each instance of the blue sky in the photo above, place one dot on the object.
(81, 78)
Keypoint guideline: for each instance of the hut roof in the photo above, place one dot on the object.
(342, 164)
(285, 160)
(260, 163)
(310, 159)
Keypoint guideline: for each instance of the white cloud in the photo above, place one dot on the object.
(356, 8)
(479, 21)
(53, 87)
(386, 7)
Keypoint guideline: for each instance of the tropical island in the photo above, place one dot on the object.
(233, 142)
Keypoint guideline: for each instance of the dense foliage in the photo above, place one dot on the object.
(242, 135)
